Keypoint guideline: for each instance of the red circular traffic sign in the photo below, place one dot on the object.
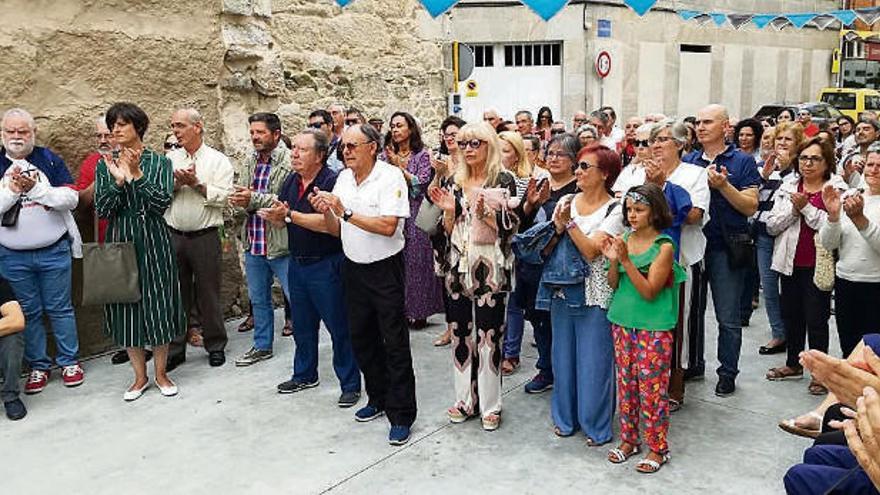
(603, 64)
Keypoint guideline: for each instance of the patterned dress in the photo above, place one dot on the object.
(424, 294)
(135, 212)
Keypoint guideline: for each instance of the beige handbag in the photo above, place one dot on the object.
(823, 275)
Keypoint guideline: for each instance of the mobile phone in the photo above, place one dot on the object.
(541, 183)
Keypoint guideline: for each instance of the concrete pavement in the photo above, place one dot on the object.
(229, 432)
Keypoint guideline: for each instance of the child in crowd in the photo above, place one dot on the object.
(643, 311)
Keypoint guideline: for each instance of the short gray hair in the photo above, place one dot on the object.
(587, 128)
(19, 112)
(524, 112)
(322, 142)
(677, 129)
(569, 143)
(194, 116)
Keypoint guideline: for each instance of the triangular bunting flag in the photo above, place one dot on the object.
(780, 22)
(545, 8)
(800, 20)
(343, 3)
(868, 16)
(687, 15)
(640, 6)
(702, 19)
(761, 20)
(847, 17)
(823, 21)
(739, 20)
(437, 7)
(718, 18)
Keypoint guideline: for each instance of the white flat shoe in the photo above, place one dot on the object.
(168, 391)
(132, 395)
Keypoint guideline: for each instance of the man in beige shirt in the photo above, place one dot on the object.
(202, 183)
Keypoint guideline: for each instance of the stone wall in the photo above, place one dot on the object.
(68, 61)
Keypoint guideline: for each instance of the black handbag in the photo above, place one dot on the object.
(740, 249)
(10, 217)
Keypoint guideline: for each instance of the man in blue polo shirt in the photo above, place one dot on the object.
(734, 180)
(315, 271)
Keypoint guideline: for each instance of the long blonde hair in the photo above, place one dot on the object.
(484, 132)
(523, 167)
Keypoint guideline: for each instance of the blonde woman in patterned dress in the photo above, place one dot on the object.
(133, 191)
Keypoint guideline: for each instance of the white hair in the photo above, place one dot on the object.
(22, 113)
(194, 116)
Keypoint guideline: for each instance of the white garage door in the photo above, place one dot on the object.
(513, 77)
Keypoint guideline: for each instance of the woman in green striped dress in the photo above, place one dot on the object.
(133, 192)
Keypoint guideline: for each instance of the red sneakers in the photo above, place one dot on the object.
(72, 375)
(36, 382)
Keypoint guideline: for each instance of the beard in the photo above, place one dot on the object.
(19, 148)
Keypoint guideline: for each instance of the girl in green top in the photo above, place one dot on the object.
(644, 309)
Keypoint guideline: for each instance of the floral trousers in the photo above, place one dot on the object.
(643, 361)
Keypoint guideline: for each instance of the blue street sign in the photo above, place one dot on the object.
(603, 28)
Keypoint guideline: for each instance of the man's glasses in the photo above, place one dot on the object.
(556, 132)
(172, 146)
(350, 147)
(352, 121)
(471, 143)
(316, 125)
(641, 143)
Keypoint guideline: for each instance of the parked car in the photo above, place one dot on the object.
(851, 101)
(821, 111)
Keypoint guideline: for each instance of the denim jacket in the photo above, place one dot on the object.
(564, 269)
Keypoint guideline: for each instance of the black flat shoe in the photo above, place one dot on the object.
(216, 358)
(174, 362)
(776, 349)
(119, 357)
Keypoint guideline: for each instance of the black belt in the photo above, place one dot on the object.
(193, 233)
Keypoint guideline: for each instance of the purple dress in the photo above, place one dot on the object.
(424, 291)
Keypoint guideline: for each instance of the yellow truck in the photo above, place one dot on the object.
(851, 101)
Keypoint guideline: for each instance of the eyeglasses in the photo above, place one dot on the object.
(352, 121)
(558, 154)
(555, 132)
(579, 121)
(350, 147)
(316, 125)
(661, 139)
(472, 143)
(641, 143)
(583, 166)
(172, 146)
(810, 160)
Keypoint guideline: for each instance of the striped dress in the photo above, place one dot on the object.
(135, 212)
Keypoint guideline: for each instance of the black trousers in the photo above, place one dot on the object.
(805, 312)
(856, 311)
(375, 296)
(696, 324)
(198, 264)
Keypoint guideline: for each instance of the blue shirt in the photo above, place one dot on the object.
(742, 173)
(303, 242)
(680, 205)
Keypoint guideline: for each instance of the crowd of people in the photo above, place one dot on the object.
(606, 239)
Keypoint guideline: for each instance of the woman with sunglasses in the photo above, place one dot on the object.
(582, 350)
(545, 123)
(445, 163)
(634, 173)
(405, 150)
(798, 212)
(480, 226)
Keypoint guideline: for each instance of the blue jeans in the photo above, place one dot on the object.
(513, 333)
(41, 281)
(11, 350)
(770, 284)
(260, 270)
(727, 287)
(583, 368)
(316, 294)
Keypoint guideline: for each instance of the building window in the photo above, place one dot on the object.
(484, 55)
(695, 48)
(530, 55)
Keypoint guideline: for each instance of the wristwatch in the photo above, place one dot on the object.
(287, 218)
(346, 215)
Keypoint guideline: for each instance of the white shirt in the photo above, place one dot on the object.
(695, 181)
(596, 288)
(45, 212)
(189, 210)
(632, 175)
(617, 134)
(859, 249)
(383, 193)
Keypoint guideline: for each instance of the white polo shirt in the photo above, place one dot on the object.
(383, 193)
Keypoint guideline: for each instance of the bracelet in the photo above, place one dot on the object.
(570, 225)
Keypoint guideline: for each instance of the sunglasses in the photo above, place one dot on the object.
(555, 132)
(473, 143)
(352, 122)
(316, 125)
(172, 146)
(641, 143)
(350, 147)
(582, 165)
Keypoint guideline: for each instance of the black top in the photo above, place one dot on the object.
(302, 241)
(6, 294)
(549, 205)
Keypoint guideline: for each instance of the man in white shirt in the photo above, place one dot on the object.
(202, 183)
(367, 209)
(615, 133)
(38, 236)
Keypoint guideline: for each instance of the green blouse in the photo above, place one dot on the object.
(629, 309)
